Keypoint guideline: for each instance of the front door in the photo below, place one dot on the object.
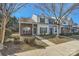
(50, 30)
(55, 30)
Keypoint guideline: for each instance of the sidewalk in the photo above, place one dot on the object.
(65, 49)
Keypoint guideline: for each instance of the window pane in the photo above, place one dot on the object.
(50, 21)
(27, 30)
(43, 30)
(42, 20)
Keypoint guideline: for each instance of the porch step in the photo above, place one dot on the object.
(45, 41)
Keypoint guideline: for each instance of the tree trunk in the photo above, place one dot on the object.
(57, 31)
(3, 29)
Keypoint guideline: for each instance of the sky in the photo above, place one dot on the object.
(27, 11)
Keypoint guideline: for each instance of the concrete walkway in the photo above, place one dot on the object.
(64, 49)
(48, 42)
(45, 41)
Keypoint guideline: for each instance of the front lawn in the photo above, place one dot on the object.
(11, 47)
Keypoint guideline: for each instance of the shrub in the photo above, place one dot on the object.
(29, 40)
(16, 40)
(77, 33)
(8, 33)
(66, 34)
(15, 36)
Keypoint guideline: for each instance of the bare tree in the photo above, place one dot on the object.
(7, 9)
(58, 10)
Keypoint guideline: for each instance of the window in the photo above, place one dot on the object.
(50, 21)
(42, 20)
(74, 29)
(64, 22)
(66, 27)
(27, 30)
(43, 30)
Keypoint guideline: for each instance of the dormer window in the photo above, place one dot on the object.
(42, 20)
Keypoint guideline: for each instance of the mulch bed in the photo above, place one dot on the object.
(11, 48)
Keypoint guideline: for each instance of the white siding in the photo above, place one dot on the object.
(42, 25)
(34, 17)
(46, 20)
(38, 19)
